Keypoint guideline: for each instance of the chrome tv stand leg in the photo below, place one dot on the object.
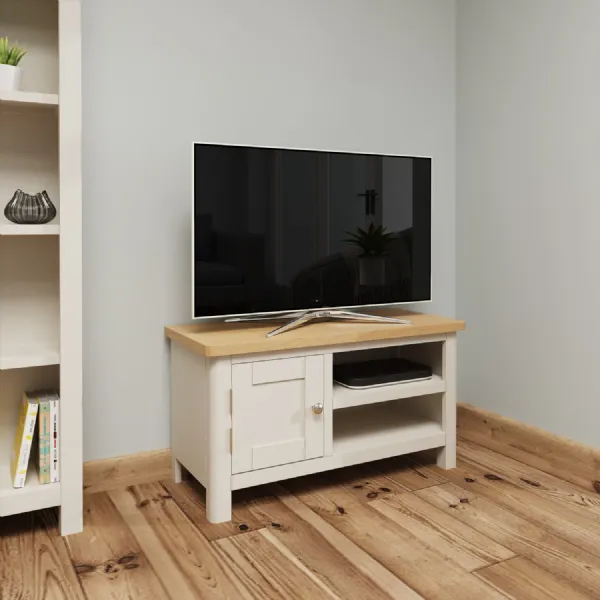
(302, 318)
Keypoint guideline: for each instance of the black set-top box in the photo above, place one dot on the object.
(374, 373)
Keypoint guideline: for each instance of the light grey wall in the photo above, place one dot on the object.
(357, 75)
(528, 208)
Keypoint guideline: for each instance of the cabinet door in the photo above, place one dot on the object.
(273, 420)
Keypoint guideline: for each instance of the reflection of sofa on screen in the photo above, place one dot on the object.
(334, 280)
(329, 281)
(229, 268)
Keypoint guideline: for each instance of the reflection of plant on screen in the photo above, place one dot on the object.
(374, 241)
(10, 55)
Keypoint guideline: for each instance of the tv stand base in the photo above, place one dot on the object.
(247, 411)
(304, 318)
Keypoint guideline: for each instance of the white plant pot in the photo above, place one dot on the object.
(10, 78)
(371, 270)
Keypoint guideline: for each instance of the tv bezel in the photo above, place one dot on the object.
(221, 318)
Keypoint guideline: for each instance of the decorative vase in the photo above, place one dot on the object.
(24, 209)
(371, 270)
(10, 78)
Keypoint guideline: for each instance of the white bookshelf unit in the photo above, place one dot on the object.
(248, 410)
(40, 265)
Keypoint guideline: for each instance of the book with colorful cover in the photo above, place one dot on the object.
(24, 439)
(54, 437)
(44, 429)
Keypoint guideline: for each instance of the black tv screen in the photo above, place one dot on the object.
(292, 230)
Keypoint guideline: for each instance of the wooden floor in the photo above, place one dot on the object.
(492, 528)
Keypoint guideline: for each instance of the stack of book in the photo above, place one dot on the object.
(40, 407)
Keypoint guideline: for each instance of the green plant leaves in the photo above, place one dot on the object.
(10, 55)
(374, 241)
(3, 51)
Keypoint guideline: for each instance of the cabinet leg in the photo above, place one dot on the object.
(71, 519)
(177, 472)
(218, 504)
(446, 457)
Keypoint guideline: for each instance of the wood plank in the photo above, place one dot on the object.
(121, 471)
(268, 570)
(583, 530)
(546, 550)
(465, 546)
(409, 475)
(34, 562)
(310, 544)
(351, 485)
(368, 482)
(362, 561)
(232, 339)
(190, 496)
(107, 558)
(520, 579)
(399, 550)
(557, 455)
(536, 481)
(181, 557)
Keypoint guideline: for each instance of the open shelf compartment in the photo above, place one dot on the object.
(33, 496)
(28, 161)
(29, 301)
(33, 24)
(388, 428)
(428, 353)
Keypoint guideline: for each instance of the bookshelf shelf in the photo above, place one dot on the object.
(12, 229)
(30, 357)
(19, 98)
(40, 265)
(31, 497)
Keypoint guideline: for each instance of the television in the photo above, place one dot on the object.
(287, 230)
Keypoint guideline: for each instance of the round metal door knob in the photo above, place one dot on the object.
(317, 408)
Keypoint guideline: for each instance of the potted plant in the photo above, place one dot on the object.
(10, 72)
(374, 243)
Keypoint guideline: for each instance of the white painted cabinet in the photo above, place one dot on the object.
(277, 412)
(248, 410)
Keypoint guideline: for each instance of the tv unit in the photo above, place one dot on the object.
(279, 231)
